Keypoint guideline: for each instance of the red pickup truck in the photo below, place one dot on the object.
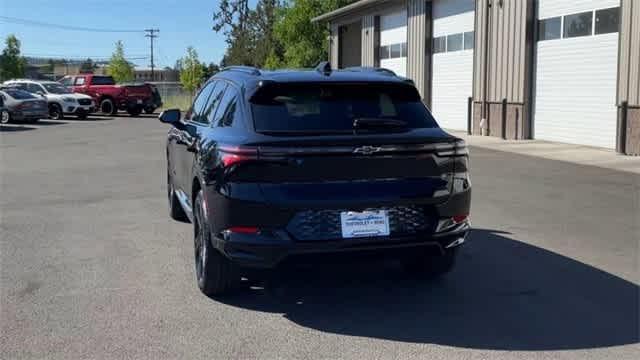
(109, 96)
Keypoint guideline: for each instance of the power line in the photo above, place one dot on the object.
(62, 56)
(151, 34)
(28, 22)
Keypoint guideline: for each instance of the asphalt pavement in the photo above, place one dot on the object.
(91, 266)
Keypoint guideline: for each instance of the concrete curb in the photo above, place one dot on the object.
(576, 154)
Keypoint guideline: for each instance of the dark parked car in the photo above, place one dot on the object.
(280, 167)
(22, 106)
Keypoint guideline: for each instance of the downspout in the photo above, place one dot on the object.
(484, 128)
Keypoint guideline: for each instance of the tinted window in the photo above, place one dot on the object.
(549, 29)
(578, 24)
(66, 81)
(195, 113)
(56, 88)
(607, 20)
(34, 88)
(469, 40)
(103, 80)
(384, 52)
(454, 42)
(19, 94)
(214, 102)
(224, 113)
(439, 44)
(334, 107)
(79, 81)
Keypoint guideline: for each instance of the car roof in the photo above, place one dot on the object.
(251, 78)
(30, 81)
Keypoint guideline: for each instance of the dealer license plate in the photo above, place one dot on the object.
(139, 101)
(364, 224)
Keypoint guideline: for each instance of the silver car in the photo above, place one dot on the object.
(22, 106)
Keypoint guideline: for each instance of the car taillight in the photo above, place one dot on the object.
(243, 229)
(234, 155)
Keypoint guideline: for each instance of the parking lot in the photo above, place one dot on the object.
(91, 265)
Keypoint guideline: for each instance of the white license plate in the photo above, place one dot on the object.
(364, 223)
(139, 101)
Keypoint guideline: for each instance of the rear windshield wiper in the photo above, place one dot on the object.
(370, 123)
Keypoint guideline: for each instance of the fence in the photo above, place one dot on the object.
(173, 95)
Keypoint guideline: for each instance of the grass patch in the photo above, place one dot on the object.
(182, 102)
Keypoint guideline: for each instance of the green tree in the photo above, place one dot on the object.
(249, 33)
(191, 72)
(119, 67)
(209, 70)
(304, 43)
(12, 64)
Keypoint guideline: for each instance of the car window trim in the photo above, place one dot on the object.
(212, 82)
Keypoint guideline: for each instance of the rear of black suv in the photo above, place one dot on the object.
(329, 170)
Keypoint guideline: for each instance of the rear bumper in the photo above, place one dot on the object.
(269, 252)
(125, 104)
(26, 116)
(282, 238)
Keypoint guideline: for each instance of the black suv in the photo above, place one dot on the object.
(280, 167)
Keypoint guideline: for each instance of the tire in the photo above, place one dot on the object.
(108, 107)
(149, 110)
(432, 266)
(135, 111)
(55, 112)
(176, 212)
(5, 117)
(215, 274)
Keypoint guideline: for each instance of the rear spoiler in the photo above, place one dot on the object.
(265, 86)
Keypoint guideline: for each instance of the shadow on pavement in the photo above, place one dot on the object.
(15, 128)
(504, 294)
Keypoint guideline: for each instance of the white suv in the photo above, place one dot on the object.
(60, 99)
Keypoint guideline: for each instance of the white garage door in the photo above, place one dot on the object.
(453, 43)
(576, 70)
(393, 42)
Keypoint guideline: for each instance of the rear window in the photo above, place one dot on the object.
(334, 107)
(102, 80)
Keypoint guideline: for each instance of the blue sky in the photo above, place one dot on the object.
(181, 23)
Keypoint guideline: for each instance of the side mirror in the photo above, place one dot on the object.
(40, 93)
(171, 116)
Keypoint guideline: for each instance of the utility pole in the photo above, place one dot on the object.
(151, 34)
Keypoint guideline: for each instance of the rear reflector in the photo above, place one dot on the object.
(243, 229)
(460, 218)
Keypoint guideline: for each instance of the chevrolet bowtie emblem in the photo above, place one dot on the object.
(367, 150)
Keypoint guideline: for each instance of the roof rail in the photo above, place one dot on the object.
(324, 67)
(371, 69)
(242, 68)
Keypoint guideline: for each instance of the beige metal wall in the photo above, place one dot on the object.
(418, 33)
(502, 67)
(628, 135)
(629, 60)
(368, 40)
(506, 62)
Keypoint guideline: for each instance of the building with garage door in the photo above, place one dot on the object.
(558, 70)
